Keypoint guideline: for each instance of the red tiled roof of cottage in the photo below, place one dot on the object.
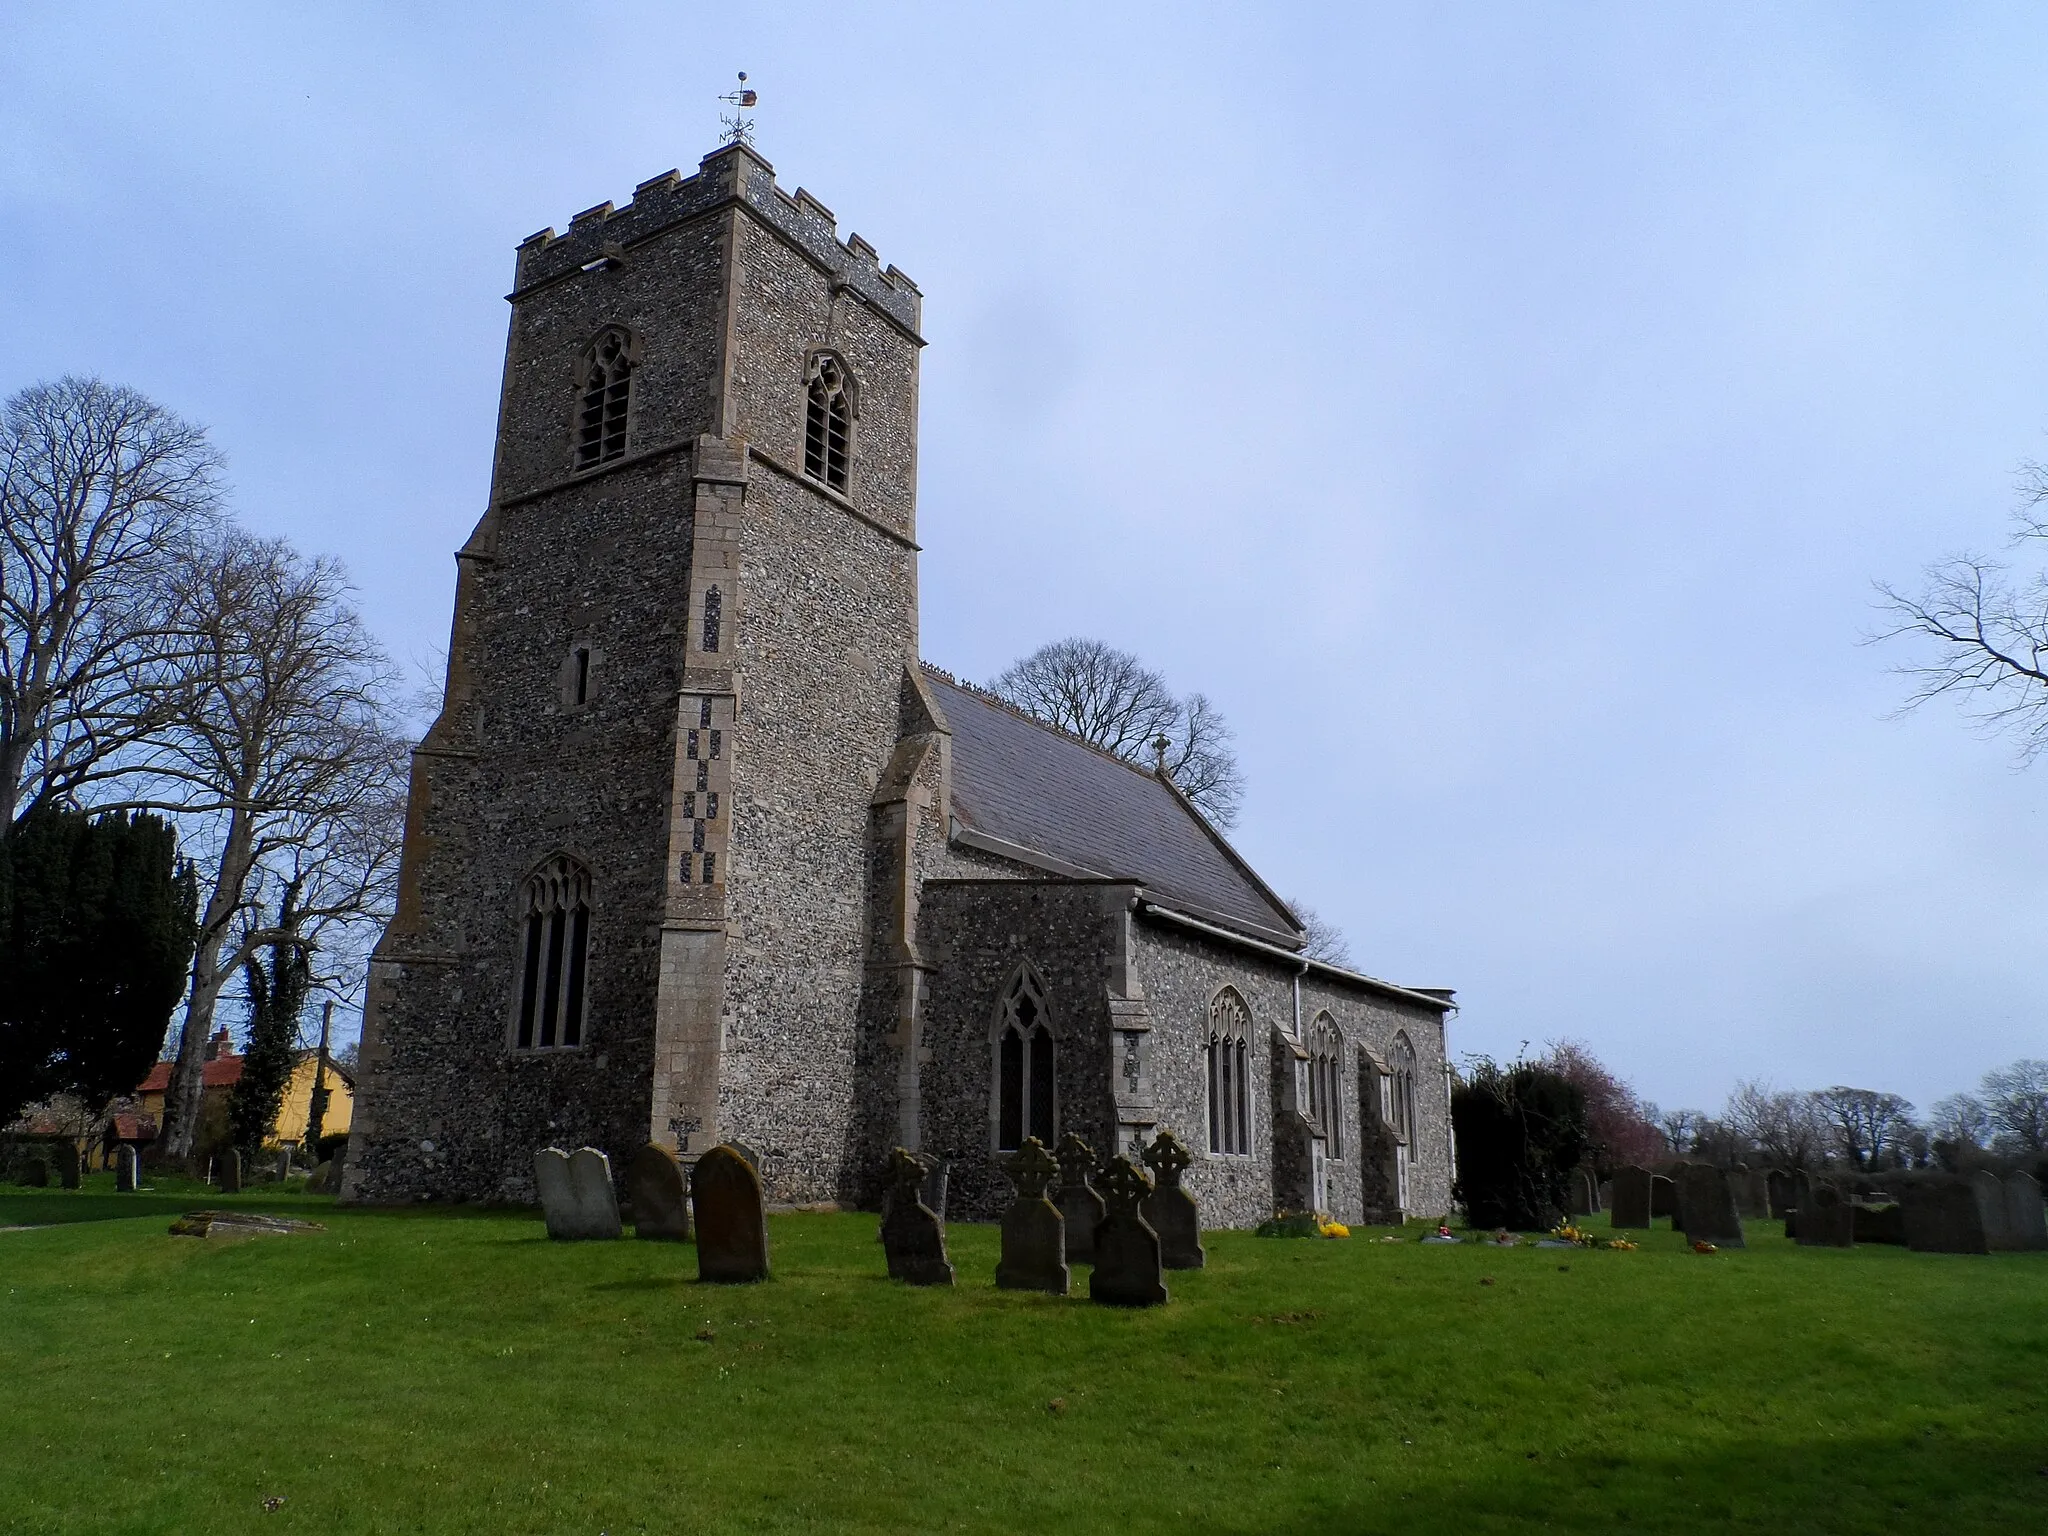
(136, 1127)
(222, 1072)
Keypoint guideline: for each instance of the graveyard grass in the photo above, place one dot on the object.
(430, 1371)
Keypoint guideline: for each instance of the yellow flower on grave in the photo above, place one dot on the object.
(1332, 1228)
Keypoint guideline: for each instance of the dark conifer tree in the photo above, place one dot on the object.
(97, 921)
(277, 995)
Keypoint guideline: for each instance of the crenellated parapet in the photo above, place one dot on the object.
(734, 174)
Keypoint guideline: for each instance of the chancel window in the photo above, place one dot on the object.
(1024, 1065)
(604, 383)
(828, 422)
(1228, 1060)
(1325, 1079)
(1401, 1076)
(554, 956)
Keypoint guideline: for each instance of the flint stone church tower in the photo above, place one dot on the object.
(699, 850)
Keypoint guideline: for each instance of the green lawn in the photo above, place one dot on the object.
(433, 1371)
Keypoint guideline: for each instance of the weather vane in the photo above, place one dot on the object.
(739, 128)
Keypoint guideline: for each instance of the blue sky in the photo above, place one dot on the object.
(1500, 411)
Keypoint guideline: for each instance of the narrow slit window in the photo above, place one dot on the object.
(605, 387)
(828, 422)
(582, 674)
(555, 957)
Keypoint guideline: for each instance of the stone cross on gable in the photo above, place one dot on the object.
(1124, 1187)
(1032, 1168)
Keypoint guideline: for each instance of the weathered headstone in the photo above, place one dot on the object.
(1034, 1256)
(1801, 1195)
(227, 1172)
(322, 1180)
(576, 1194)
(936, 1173)
(1826, 1218)
(913, 1236)
(2025, 1225)
(1943, 1216)
(127, 1170)
(1752, 1193)
(1080, 1206)
(732, 1228)
(1663, 1197)
(1631, 1206)
(67, 1163)
(35, 1173)
(1127, 1270)
(1990, 1192)
(1706, 1206)
(284, 1164)
(1880, 1221)
(1778, 1191)
(1170, 1210)
(656, 1196)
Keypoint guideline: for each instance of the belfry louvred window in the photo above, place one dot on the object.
(828, 422)
(1024, 1066)
(604, 382)
(554, 956)
(1228, 1058)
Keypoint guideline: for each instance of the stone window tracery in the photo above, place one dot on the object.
(1401, 1077)
(1325, 1081)
(1227, 1057)
(1025, 1064)
(554, 956)
(604, 385)
(828, 421)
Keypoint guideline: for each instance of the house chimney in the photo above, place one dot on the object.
(218, 1045)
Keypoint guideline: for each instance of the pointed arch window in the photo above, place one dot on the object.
(604, 386)
(1228, 1060)
(828, 421)
(1024, 1065)
(1401, 1079)
(554, 955)
(1325, 1081)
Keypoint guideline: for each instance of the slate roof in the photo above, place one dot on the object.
(1029, 784)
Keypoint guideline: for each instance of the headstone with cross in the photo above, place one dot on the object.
(1170, 1210)
(1080, 1206)
(1034, 1254)
(1127, 1270)
(913, 1236)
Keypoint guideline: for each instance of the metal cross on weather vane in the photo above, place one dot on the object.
(739, 127)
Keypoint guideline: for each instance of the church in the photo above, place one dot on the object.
(699, 848)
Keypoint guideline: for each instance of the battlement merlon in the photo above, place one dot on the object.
(733, 174)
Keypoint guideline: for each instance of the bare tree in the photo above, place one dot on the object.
(1988, 631)
(1868, 1126)
(285, 758)
(1321, 939)
(103, 497)
(1961, 1121)
(1785, 1127)
(2016, 1103)
(1681, 1128)
(1112, 699)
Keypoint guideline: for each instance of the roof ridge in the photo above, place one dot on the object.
(1052, 728)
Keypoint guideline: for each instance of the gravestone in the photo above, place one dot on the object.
(1880, 1221)
(1034, 1254)
(1801, 1194)
(321, 1181)
(35, 1173)
(1752, 1193)
(1631, 1207)
(1663, 1197)
(656, 1196)
(67, 1164)
(1080, 1206)
(1826, 1219)
(732, 1228)
(1127, 1270)
(1778, 1191)
(596, 1201)
(1170, 1210)
(1990, 1192)
(937, 1170)
(1944, 1216)
(1706, 1206)
(551, 1182)
(1581, 1199)
(227, 1172)
(284, 1164)
(2025, 1226)
(913, 1236)
(127, 1170)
